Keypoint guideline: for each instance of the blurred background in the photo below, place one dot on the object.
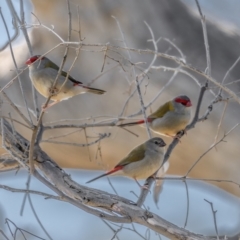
(175, 20)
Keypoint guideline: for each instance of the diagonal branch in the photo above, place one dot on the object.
(99, 203)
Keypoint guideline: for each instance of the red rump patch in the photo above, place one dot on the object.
(143, 121)
(150, 119)
(117, 168)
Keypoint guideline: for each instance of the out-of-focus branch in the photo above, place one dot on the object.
(200, 179)
(8, 164)
(205, 37)
(14, 232)
(16, 68)
(14, 36)
(21, 22)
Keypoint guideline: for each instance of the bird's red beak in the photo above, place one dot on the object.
(189, 104)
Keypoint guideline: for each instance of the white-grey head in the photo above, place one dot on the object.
(155, 143)
(182, 103)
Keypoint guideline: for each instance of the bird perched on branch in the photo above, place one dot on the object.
(170, 118)
(142, 162)
(43, 74)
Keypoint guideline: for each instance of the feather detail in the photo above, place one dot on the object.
(137, 154)
(51, 64)
(94, 90)
(135, 123)
(117, 168)
(162, 110)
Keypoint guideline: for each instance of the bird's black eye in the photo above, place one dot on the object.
(156, 142)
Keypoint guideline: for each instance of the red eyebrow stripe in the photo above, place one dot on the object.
(180, 100)
(185, 102)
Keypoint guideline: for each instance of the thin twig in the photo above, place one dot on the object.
(113, 188)
(37, 218)
(144, 51)
(176, 47)
(25, 195)
(86, 137)
(214, 216)
(22, 231)
(227, 73)
(63, 135)
(14, 120)
(14, 36)
(210, 148)
(143, 108)
(4, 235)
(199, 179)
(205, 37)
(220, 122)
(12, 125)
(16, 68)
(188, 202)
(39, 124)
(101, 136)
(113, 230)
(144, 74)
(17, 190)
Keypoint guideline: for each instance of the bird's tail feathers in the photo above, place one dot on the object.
(107, 173)
(131, 123)
(103, 175)
(94, 90)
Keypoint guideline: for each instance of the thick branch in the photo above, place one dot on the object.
(93, 201)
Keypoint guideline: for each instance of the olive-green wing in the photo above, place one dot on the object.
(135, 155)
(51, 64)
(162, 110)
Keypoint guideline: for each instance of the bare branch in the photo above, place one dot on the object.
(227, 73)
(210, 148)
(101, 136)
(214, 216)
(37, 218)
(16, 190)
(199, 179)
(39, 124)
(16, 68)
(203, 21)
(92, 200)
(14, 36)
(220, 122)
